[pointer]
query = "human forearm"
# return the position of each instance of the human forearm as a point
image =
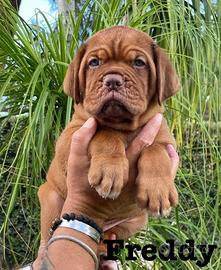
(66, 254)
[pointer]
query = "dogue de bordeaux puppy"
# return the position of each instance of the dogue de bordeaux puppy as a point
(121, 77)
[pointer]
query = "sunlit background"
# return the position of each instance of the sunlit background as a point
(29, 8)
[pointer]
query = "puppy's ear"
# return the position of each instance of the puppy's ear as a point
(71, 81)
(167, 83)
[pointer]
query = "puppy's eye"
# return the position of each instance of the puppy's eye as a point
(139, 63)
(94, 62)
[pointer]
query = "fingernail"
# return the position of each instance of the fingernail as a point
(89, 123)
(170, 150)
(112, 236)
(158, 117)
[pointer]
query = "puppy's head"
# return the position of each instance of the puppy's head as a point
(117, 73)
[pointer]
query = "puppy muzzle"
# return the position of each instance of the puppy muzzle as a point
(114, 106)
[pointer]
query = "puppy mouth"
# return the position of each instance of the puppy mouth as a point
(114, 109)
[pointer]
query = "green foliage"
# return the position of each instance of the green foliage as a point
(33, 62)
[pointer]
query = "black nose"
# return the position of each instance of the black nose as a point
(113, 81)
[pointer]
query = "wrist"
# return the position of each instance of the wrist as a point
(83, 259)
(71, 206)
(87, 239)
(79, 235)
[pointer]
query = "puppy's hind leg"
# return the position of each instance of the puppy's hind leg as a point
(51, 205)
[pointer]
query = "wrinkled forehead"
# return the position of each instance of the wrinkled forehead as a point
(118, 41)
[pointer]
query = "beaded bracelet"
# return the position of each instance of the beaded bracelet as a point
(72, 216)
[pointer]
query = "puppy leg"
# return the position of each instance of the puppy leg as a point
(109, 166)
(155, 184)
(51, 205)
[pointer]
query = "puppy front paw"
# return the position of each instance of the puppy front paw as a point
(158, 195)
(108, 175)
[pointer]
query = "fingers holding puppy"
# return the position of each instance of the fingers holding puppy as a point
(145, 138)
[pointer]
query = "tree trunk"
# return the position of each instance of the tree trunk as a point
(66, 6)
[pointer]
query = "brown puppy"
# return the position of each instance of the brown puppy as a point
(121, 77)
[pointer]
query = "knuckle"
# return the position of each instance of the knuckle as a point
(139, 144)
(77, 138)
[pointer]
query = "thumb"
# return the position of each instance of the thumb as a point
(174, 158)
(145, 138)
(82, 137)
